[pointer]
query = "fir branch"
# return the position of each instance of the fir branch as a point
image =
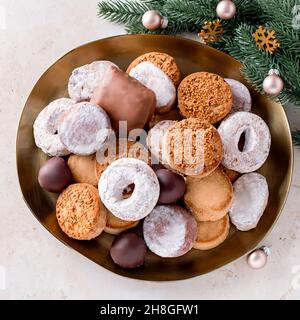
(243, 48)
(278, 10)
(190, 14)
(290, 96)
(289, 68)
(288, 37)
(296, 138)
(249, 12)
(126, 11)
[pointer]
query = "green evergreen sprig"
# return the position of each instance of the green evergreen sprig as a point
(127, 12)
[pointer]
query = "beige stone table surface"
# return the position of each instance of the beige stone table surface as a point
(33, 264)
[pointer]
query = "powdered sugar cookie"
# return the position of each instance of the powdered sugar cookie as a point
(257, 141)
(46, 125)
(169, 231)
(115, 181)
(85, 129)
(155, 139)
(156, 80)
(85, 79)
(250, 199)
(241, 96)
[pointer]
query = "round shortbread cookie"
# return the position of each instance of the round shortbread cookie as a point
(85, 129)
(162, 60)
(83, 169)
(251, 194)
(45, 127)
(205, 96)
(211, 234)
(85, 79)
(80, 213)
(231, 174)
(169, 231)
(115, 225)
(156, 80)
(209, 198)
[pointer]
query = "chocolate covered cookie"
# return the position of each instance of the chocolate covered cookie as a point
(125, 99)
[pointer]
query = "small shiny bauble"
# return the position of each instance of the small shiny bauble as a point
(55, 175)
(153, 20)
(257, 259)
(172, 186)
(226, 9)
(273, 84)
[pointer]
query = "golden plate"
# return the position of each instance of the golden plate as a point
(191, 56)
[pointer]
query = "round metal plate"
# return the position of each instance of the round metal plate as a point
(191, 57)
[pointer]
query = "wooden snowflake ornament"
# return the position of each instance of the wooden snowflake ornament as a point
(266, 40)
(211, 31)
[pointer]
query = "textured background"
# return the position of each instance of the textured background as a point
(36, 265)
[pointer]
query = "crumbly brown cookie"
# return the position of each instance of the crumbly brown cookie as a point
(209, 198)
(193, 147)
(82, 168)
(211, 234)
(80, 212)
(205, 96)
(115, 225)
(164, 61)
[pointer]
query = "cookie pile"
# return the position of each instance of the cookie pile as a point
(145, 146)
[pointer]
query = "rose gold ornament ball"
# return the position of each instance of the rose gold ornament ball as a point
(257, 259)
(273, 84)
(226, 9)
(152, 20)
